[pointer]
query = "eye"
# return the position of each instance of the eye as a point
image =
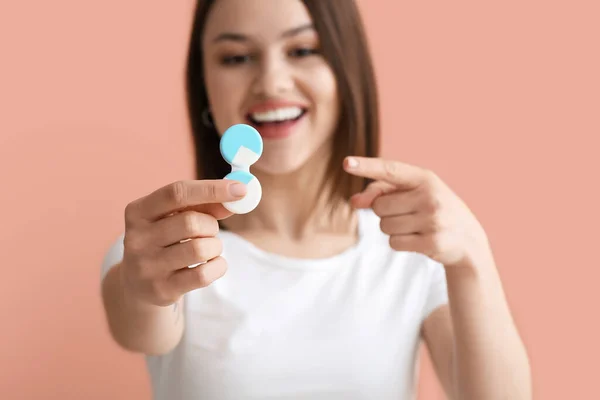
(236, 59)
(303, 52)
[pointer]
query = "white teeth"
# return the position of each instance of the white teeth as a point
(278, 115)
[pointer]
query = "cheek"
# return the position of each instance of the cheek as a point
(323, 87)
(324, 83)
(225, 92)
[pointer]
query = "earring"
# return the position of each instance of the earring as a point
(206, 118)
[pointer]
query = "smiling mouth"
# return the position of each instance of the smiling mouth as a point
(276, 116)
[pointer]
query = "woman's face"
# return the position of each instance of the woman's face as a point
(263, 67)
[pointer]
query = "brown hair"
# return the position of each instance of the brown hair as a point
(344, 46)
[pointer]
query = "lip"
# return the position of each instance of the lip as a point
(275, 104)
(278, 131)
(281, 130)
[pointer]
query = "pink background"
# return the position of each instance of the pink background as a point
(502, 99)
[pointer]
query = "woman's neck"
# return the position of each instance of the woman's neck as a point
(295, 205)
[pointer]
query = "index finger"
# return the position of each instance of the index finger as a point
(397, 173)
(183, 195)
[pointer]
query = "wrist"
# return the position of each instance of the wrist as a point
(132, 297)
(475, 263)
(129, 297)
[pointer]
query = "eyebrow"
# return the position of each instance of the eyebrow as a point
(239, 37)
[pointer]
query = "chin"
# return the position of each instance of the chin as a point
(279, 165)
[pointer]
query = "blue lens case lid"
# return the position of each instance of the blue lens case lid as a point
(241, 145)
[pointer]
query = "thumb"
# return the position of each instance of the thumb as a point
(366, 198)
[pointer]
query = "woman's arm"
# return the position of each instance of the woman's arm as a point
(146, 275)
(137, 326)
(474, 344)
(478, 350)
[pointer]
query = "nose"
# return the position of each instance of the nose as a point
(274, 77)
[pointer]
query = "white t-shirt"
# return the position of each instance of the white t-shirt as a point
(341, 328)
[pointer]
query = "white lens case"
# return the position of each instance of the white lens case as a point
(241, 146)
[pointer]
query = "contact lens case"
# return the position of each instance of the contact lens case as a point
(241, 146)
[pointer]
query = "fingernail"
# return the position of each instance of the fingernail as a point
(351, 162)
(237, 189)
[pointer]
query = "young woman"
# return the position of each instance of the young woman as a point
(325, 290)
